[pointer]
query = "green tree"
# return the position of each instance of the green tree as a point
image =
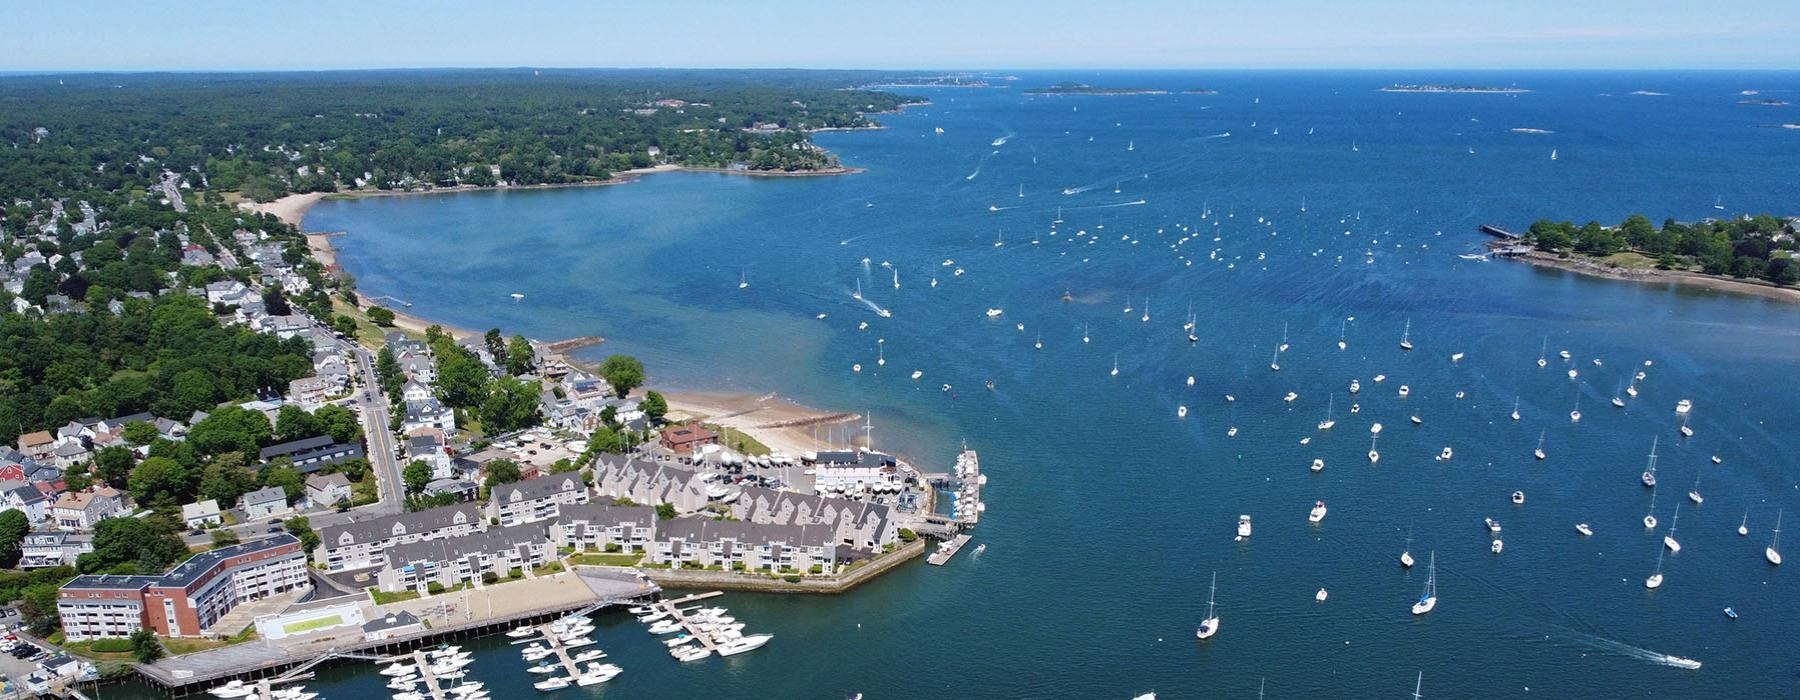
(231, 429)
(511, 404)
(665, 511)
(496, 346)
(225, 479)
(654, 406)
(113, 464)
(519, 357)
(623, 372)
(301, 526)
(294, 423)
(381, 316)
(76, 478)
(145, 647)
(338, 422)
(462, 380)
(502, 471)
(140, 433)
(416, 475)
(13, 528)
(223, 537)
(388, 372)
(37, 609)
(287, 477)
(159, 481)
(145, 544)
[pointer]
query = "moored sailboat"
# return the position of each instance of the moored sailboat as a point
(1210, 625)
(1428, 599)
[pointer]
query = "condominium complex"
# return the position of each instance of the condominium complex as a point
(189, 598)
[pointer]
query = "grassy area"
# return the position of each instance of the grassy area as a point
(381, 598)
(739, 440)
(1630, 260)
(367, 333)
(104, 653)
(312, 624)
(180, 646)
(627, 559)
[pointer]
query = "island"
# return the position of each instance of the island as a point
(1478, 89)
(1070, 88)
(1750, 254)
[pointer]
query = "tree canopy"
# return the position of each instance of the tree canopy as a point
(623, 372)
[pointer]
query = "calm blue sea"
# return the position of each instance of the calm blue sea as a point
(1108, 514)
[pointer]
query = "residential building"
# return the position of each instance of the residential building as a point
(46, 548)
(327, 489)
(29, 500)
(427, 414)
(187, 600)
(81, 510)
(310, 393)
(427, 445)
(314, 453)
(360, 545)
(198, 515)
(731, 544)
(266, 502)
(464, 489)
(532, 500)
(452, 561)
(649, 483)
(683, 439)
(37, 445)
(598, 526)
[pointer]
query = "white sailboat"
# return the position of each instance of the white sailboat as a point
(1428, 599)
(1773, 554)
(1000, 238)
(1542, 353)
(1649, 477)
(1210, 625)
(1515, 412)
(743, 280)
(1115, 369)
(1650, 518)
(1656, 579)
(1406, 336)
(1669, 539)
(896, 278)
(1146, 317)
(1084, 333)
(1341, 326)
(1275, 361)
(1330, 402)
(1284, 343)
(1539, 452)
(1575, 415)
(1694, 495)
(1744, 526)
(1406, 557)
(857, 295)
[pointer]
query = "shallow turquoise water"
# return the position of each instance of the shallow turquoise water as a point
(1107, 513)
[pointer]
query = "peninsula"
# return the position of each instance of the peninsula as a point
(1482, 89)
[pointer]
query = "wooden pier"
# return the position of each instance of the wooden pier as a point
(673, 607)
(948, 549)
(432, 687)
(1498, 232)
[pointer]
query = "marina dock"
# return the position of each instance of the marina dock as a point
(673, 607)
(948, 549)
(1498, 232)
(432, 687)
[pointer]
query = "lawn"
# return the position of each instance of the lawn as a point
(312, 624)
(180, 646)
(381, 598)
(740, 441)
(1630, 260)
(606, 559)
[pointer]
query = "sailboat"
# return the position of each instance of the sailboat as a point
(1406, 336)
(1772, 554)
(1039, 345)
(1329, 421)
(1719, 203)
(1650, 518)
(743, 280)
(1552, 154)
(1542, 354)
(1669, 539)
(1539, 452)
(896, 278)
(1649, 477)
(1744, 526)
(1000, 238)
(881, 355)
(1428, 599)
(1656, 579)
(1284, 344)
(1210, 625)
(1694, 495)
(1374, 434)
(1515, 413)
(1275, 361)
(1406, 557)
(1115, 369)
(1341, 325)
(1417, 684)
(1575, 415)
(857, 295)
(1084, 333)
(1146, 317)
(1058, 218)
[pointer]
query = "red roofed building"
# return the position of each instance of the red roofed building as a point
(684, 439)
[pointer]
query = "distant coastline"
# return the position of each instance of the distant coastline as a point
(1086, 89)
(1695, 280)
(1478, 89)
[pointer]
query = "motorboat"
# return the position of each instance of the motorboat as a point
(1497, 546)
(1318, 512)
(1731, 613)
(1416, 420)
(1456, 357)
(544, 667)
(1493, 525)
(1518, 498)
(557, 683)
(234, 689)
(1405, 391)
(524, 632)
(597, 674)
(743, 644)
(397, 669)
(1291, 396)
(686, 654)
(589, 655)
(994, 313)
(1683, 406)
(1379, 378)
(1446, 454)
(1243, 528)
(679, 640)
(1584, 529)
(1320, 596)
(1318, 465)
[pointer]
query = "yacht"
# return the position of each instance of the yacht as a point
(1210, 625)
(1318, 512)
(236, 689)
(1584, 529)
(1318, 465)
(743, 644)
(1683, 406)
(1243, 530)
(597, 674)
(1649, 477)
(557, 683)
(687, 654)
(1428, 599)
(524, 632)
(1406, 336)
(393, 670)
(917, 374)
(1493, 525)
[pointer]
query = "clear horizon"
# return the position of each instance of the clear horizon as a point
(209, 35)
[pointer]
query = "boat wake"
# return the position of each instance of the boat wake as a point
(1102, 183)
(1629, 651)
(1109, 206)
(1220, 135)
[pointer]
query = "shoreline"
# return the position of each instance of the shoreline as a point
(1682, 278)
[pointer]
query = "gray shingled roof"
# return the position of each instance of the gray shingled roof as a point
(452, 548)
(376, 529)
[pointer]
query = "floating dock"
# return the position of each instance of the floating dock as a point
(1498, 232)
(948, 549)
(673, 607)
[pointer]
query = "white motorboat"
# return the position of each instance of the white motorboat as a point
(1584, 529)
(1318, 465)
(1683, 406)
(545, 667)
(397, 669)
(680, 640)
(1445, 454)
(1355, 386)
(1518, 498)
(1497, 546)
(1180, 411)
(994, 313)
(1379, 378)
(1290, 397)
(1210, 625)
(1493, 525)
(1405, 391)
(1573, 374)
(1428, 599)
(524, 632)
(743, 644)
(1541, 361)
(686, 654)
(1564, 354)
(1320, 596)
(557, 683)
(665, 627)
(1231, 432)
(1456, 357)
(1243, 528)
(404, 683)
(234, 689)
(1318, 512)
(597, 674)
(1416, 420)
(410, 695)
(651, 617)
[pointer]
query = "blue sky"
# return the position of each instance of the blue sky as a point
(207, 34)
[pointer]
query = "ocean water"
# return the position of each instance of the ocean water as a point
(1107, 513)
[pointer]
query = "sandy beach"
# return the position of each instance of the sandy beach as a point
(1671, 277)
(777, 422)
